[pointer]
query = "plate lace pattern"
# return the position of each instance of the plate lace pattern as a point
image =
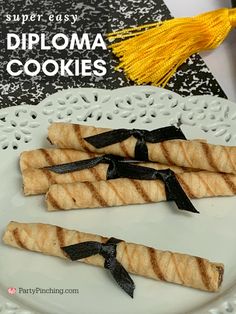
(21, 124)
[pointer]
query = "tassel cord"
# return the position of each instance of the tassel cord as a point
(152, 53)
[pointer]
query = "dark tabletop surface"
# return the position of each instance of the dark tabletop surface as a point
(97, 16)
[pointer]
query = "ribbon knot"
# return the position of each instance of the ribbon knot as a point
(141, 150)
(108, 252)
(138, 134)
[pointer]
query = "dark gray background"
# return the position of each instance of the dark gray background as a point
(193, 78)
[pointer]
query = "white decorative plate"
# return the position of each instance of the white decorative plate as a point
(212, 234)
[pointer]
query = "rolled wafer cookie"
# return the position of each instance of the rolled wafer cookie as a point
(38, 181)
(183, 269)
(44, 157)
(126, 191)
(183, 153)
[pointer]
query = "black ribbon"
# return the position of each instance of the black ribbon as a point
(174, 191)
(108, 251)
(142, 136)
(112, 160)
(119, 168)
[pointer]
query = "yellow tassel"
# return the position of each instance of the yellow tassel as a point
(152, 53)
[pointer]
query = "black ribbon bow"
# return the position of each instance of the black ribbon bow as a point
(174, 191)
(108, 251)
(142, 136)
(120, 168)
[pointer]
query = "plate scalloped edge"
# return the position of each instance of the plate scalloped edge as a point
(216, 116)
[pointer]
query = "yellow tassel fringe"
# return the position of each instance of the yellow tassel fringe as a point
(152, 53)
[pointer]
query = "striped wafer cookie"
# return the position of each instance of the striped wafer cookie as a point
(126, 191)
(183, 269)
(192, 154)
(38, 181)
(44, 157)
